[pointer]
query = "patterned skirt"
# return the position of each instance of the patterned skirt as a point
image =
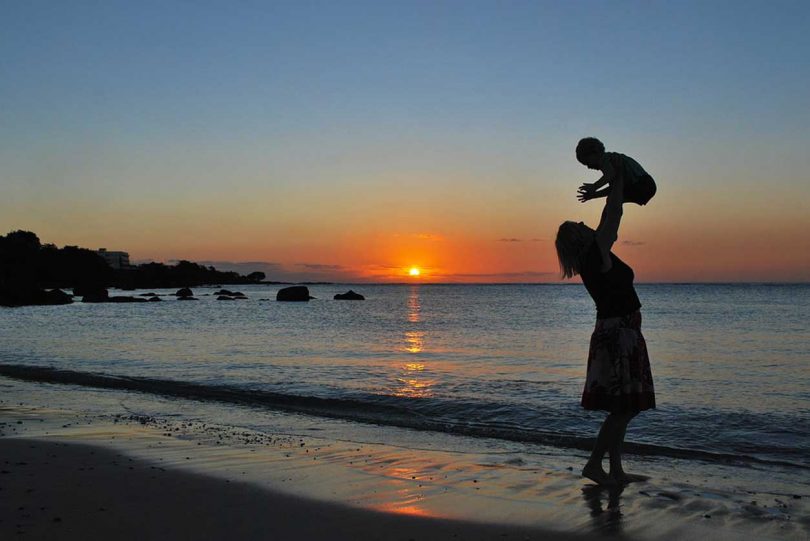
(619, 378)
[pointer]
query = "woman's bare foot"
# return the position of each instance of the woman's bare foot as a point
(623, 477)
(597, 474)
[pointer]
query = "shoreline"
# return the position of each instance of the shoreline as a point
(368, 489)
(77, 491)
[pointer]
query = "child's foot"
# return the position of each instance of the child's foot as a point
(598, 475)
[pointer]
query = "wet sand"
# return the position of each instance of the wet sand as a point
(71, 475)
(52, 490)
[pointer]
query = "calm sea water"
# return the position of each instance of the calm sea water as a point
(730, 362)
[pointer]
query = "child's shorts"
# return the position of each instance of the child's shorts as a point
(640, 191)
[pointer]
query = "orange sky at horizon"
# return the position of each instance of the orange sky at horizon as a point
(480, 237)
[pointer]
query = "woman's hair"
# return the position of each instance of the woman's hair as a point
(589, 145)
(570, 244)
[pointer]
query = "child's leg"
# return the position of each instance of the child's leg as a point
(640, 191)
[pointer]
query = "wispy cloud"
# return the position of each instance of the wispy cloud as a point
(433, 237)
(501, 275)
(632, 242)
(297, 272)
(515, 239)
(321, 266)
(429, 236)
(241, 267)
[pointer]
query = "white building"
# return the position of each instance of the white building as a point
(117, 260)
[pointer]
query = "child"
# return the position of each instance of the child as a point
(639, 187)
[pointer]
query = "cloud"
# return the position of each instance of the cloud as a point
(321, 266)
(434, 237)
(524, 274)
(279, 272)
(513, 239)
(632, 243)
(429, 236)
(243, 267)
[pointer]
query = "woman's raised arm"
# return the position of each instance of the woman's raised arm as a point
(608, 231)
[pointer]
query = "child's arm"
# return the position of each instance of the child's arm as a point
(591, 190)
(608, 174)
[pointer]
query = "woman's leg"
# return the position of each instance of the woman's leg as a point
(593, 470)
(615, 446)
(615, 449)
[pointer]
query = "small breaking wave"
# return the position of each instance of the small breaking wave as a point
(375, 409)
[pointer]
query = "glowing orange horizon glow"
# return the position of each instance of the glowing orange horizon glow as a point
(680, 240)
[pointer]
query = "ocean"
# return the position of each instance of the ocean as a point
(500, 364)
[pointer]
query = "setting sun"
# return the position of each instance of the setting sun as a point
(414, 271)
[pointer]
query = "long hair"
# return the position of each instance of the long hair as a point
(570, 244)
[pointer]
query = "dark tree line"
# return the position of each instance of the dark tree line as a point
(183, 274)
(28, 268)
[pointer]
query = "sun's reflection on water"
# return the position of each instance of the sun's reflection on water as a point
(414, 305)
(413, 383)
(414, 341)
(412, 380)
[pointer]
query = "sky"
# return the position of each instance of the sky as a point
(354, 140)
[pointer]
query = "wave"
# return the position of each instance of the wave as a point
(379, 409)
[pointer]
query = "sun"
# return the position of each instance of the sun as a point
(414, 271)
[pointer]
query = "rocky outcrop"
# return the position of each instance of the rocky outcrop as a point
(228, 293)
(349, 296)
(184, 292)
(293, 294)
(93, 295)
(33, 296)
(103, 296)
(155, 299)
(57, 296)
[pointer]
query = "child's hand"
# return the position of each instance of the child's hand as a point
(585, 192)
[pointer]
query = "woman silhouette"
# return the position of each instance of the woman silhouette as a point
(618, 379)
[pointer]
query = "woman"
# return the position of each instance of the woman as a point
(619, 379)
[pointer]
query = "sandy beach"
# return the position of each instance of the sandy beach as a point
(54, 490)
(68, 476)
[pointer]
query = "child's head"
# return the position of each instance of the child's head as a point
(590, 151)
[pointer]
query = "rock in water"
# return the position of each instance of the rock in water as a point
(184, 292)
(95, 295)
(224, 298)
(349, 296)
(293, 294)
(57, 296)
(32, 296)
